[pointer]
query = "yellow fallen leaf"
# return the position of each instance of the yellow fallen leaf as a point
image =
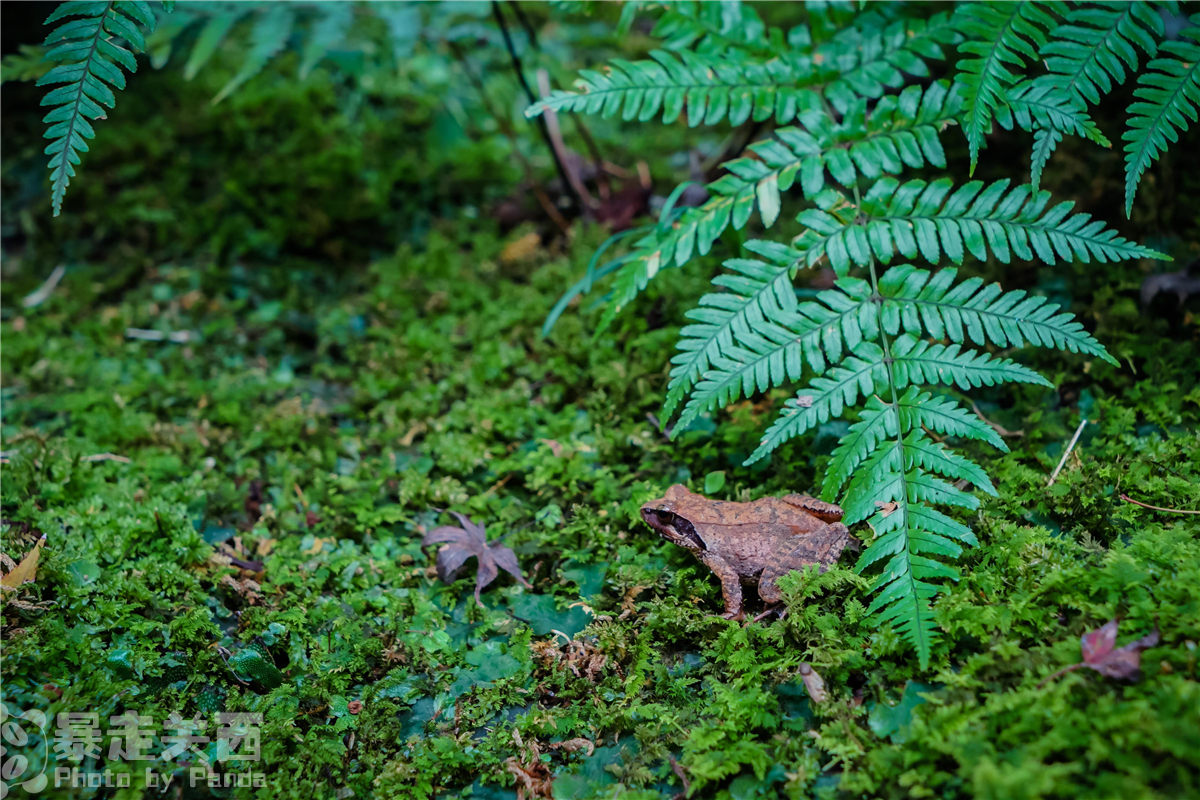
(319, 544)
(814, 683)
(523, 249)
(26, 571)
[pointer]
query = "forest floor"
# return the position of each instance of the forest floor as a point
(234, 521)
(234, 507)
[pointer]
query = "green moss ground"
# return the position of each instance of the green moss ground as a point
(323, 416)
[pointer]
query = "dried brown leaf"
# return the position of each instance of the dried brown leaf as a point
(1122, 663)
(814, 683)
(470, 541)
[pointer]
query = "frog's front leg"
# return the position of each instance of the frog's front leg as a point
(731, 584)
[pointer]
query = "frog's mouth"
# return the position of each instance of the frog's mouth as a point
(683, 530)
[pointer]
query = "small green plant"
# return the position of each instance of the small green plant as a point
(883, 334)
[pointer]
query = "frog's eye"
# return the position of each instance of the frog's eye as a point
(663, 516)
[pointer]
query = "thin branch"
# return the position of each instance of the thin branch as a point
(44, 291)
(1062, 462)
(510, 134)
(107, 457)
(526, 24)
(997, 428)
(601, 178)
(520, 70)
(556, 142)
(1129, 499)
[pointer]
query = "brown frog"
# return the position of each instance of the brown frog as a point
(750, 543)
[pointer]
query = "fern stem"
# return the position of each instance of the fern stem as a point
(918, 628)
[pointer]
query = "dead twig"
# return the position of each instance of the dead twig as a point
(519, 69)
(560, 149)
(43, 292)
(505, 128)
(149, 335)
(679, 773)
(107, 457)
(997, 428)
(1129, 499)
(1062, 462)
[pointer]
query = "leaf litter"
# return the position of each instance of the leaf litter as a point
(470, 541)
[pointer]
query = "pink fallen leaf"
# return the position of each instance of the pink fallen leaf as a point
(461, 544)
(1099, 654)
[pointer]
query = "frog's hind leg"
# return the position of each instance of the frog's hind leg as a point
(827, 512)
(731, 584)
(821, 550)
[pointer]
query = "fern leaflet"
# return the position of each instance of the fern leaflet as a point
(1087, 54)
(713, 28)
(1050, 112)
(268, 36)
(1169, 92)
(926, 219)
(214, 31)
(327, 32)
(90, 64)
(1001, 36)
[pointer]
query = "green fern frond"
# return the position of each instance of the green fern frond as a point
(893, 473)
(876, 423)
(1169, 92)
(871, 59)
(1049, 111)
(920, 302)
(942, 415)
(826, 397)
(268, 36)
(916, 218)
(893, 494)
(90, 62)
(901, 131)
(713, 28)
(211, 35)
(758, 293)
(859, 451)
(710, 88)
(1001, 35)
(762, 338)
(911, 362)
(327, 32)
(739, 85)
(918, 362)
(1088, 53)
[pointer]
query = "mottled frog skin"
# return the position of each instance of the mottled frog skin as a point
(752, 544)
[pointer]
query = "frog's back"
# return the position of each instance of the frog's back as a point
(748, 548)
